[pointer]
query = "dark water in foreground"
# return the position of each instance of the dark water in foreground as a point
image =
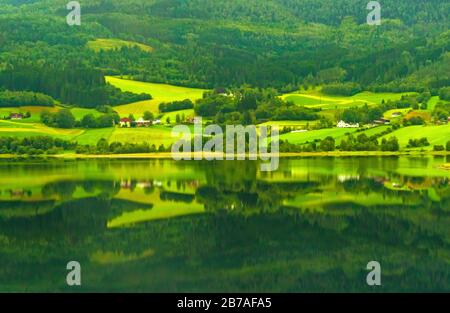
(165, 226)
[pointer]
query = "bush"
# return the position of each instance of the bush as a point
(390, 145)
(447, 146)
(438, 148)
(327, 144)
(416, 143)
(176, 106)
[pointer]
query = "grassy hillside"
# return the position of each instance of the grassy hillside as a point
(159, 92)
(310, 136)
(437, 135)
(99, 44)
(316, 99)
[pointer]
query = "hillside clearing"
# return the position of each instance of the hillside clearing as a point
(104, 44)
(160, 93)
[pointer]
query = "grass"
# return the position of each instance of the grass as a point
(98, 45)
(34, 110)
(80, 112)
(294, 124)
(310, 136)
(173, 115)
(316, 99)
(159, 92)
(388, 114)
(156, 135)
(92, 136)
(13, 127)
(432, 103)
(373, 131)
(437, 135)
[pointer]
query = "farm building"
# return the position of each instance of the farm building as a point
(343, 124)
(143, 123)
(16, 116)
(125, 122)
(382, 121)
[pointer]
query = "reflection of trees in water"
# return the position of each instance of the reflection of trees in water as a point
(178, 197)
(66, 189)
(282, 251)
(235, 186)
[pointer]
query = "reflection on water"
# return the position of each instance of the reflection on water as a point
(161, 225)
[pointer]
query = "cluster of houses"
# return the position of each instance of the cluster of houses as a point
(127, 122)
(343, 124)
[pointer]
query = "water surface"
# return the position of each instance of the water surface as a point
(166, 226)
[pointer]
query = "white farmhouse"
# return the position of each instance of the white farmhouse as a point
(342, 124)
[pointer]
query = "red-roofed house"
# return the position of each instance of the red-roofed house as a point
(125, 122)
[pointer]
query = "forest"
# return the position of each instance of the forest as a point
(284, 44)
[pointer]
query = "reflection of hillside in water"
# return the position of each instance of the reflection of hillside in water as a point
(227, 226)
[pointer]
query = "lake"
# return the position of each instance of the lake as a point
(189, 226)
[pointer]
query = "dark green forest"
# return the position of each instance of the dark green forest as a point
(284, 44)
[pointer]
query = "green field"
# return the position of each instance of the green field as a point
(37, 110)
(310, 136)
(156, 135)
(98, 45)
(432, 103)
(80, 112)
(92, 136)
(374, 131)
(437, 135)
(294, 124)
(189, 113)
(22, 130)
(159, 92)
(34, 110)
(316, 99)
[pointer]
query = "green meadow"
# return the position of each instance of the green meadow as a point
(104, 44)
(312, 135)
(436, 135)
(316, 99)
(160, 93)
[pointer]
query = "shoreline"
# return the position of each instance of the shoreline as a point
(168, 155)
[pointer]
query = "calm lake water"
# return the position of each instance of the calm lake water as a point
(166, 226)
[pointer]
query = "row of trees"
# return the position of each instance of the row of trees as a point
(176, 106)
(22, 98)
(103, 147)
(49, 145)
(360, 143)
(65, 119)
(34, 145)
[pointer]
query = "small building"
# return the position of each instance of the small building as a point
(156, 122)
(125, 122)
(143, 123)
(299, 131)
(16, 116)
(193, 120)
(382, 121)
(343, 124)
(396, 114)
